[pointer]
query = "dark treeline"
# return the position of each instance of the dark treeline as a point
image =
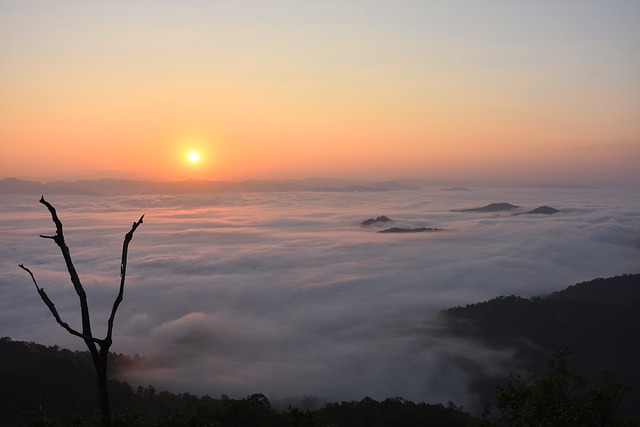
(56, 393)
(47, 386)
(598, 320)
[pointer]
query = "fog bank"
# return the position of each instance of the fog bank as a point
(287, 294)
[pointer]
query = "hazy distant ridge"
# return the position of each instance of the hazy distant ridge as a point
(127, 187)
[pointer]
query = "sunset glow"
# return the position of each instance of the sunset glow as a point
(341, 89)
(334, 193)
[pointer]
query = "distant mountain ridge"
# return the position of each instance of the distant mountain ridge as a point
(106, 187)
(20, 186)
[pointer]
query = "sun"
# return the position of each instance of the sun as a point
(193, 156)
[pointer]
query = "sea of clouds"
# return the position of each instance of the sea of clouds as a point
(287, 294)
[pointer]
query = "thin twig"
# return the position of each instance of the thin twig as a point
(30, 274)
(53, 310)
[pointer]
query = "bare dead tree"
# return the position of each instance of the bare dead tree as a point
(99, 348)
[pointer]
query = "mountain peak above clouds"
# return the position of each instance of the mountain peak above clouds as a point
(491, 207)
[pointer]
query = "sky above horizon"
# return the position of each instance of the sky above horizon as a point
(530, 90)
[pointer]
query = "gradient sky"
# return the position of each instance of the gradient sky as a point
(529, 90)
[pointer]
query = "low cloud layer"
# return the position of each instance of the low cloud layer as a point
(288, 295)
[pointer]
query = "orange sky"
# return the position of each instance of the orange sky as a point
(289, 89)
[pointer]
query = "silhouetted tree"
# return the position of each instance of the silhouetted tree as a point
(560, 397)
(98, 348)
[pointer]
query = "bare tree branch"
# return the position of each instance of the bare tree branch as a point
(31, 274)
(123, 273)
(53, 310)
(75, 280)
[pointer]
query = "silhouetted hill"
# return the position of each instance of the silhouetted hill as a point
(598, 320)
(381, 218)
(542, 210)
(492, 207)
(409, 230)
(622, 290)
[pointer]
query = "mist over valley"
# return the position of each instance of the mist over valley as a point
(288, 294)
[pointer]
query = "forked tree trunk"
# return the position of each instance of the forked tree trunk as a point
(98, 348)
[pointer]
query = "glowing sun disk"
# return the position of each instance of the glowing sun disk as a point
(193, 156)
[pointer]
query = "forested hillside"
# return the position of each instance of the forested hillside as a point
(48, 386)
(598, 320)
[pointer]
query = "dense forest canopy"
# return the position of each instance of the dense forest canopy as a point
(55, 386)
(598, 320)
